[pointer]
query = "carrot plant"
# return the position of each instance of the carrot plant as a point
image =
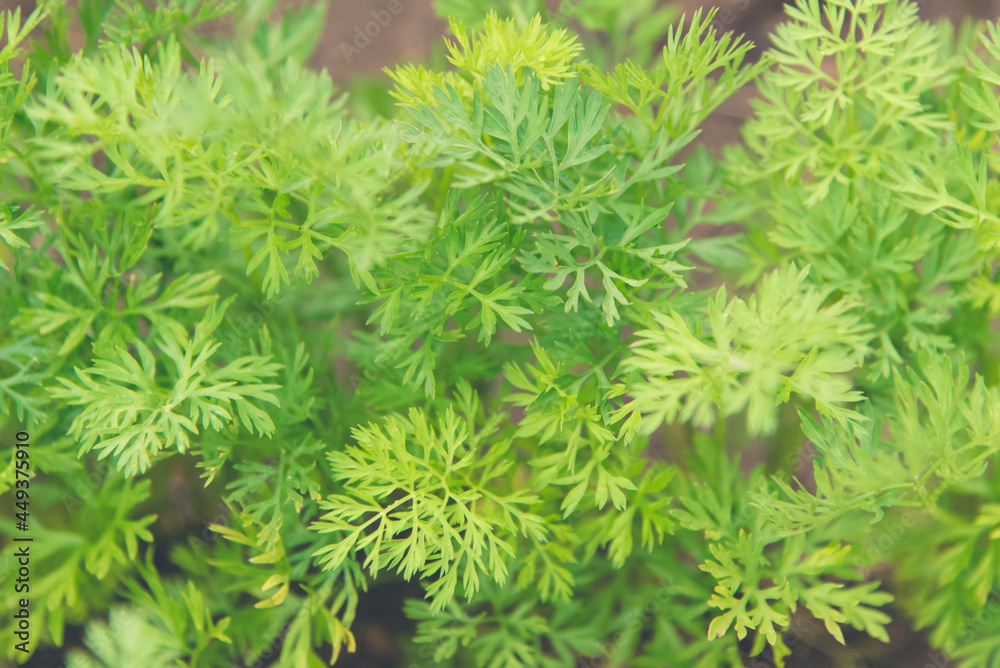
(507, 332)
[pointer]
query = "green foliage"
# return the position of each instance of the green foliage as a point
(276, 352)
(753, 361)
(128, 415)
(440, 524)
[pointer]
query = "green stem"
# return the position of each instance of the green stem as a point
(783, 455)
(720, 432)
(443, 190)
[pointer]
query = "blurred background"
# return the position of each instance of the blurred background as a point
(419, 28)
(416, 29)
(415, 34)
